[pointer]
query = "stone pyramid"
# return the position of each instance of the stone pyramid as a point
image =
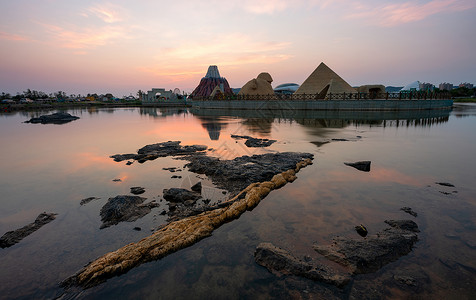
(323, 77)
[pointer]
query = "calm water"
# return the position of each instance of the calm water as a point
(52, 167)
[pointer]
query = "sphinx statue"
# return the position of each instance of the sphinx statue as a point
(260, 85)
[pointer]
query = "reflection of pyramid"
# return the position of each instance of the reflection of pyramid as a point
(213, 130)
(323, 81)
(210, 82)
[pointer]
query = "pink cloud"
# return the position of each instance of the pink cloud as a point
(401, 13)
(11, 37)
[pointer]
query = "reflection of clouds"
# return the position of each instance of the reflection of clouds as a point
(87, 159)
(379, 175)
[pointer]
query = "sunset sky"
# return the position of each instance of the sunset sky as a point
(83, 46)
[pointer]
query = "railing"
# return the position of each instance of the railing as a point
(410, 95)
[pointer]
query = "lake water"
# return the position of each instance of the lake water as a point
(53, 167)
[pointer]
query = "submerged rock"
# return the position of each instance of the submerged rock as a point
(370, 254)
(154, 151)
(12, 237)
(360, 165)
(254, 142)
(445, 184)
(87, 200)
(56, 118)
(361, 230)
(279, 261)
(180, 195)
(408, 210)
(124, 208)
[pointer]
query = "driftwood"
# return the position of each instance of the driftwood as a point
(179, 234)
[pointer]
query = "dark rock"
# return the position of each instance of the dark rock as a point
(361, 230)
(176, 176)
(129, 163)
(117, 180)
(163, 212)
(280, 262)
(254, 142)
(445, 184)
(87, 200)
(124, 208)
(137, 228)
(136, 190)
(56, 118)
(179, 195)
(154, 151)
(236, 174)
(408, 210)
(197, 187)
(340, 140)
(370, 254)
(12, 237)
(360, 165)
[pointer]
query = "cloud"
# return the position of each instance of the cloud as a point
(85, 38)
(107, 12)
(400, 13)
(11, 37)
(265, 6)
(188, 59)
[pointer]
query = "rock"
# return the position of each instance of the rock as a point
(280, 262)
(176, 176)
(197, 187)
(154, 151)
(136, 190)
(87, 200)
(360, 165)
(124, 208)
(137, 228)
(12, 237)
(180, 195)
(361, 230)
(117, 180)
(129, 163)
(56, 118)
(177, 235)
(370, 254)
(254, 142)
(408, 210)
(445, 184)
(236, 174)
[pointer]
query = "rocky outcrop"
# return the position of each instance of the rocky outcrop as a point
(281, 262)
(87, 200)
(56, 118)
(254, 142)
(409, 210)
(179, 234)
(357, 255)
(370, 254)
(124, 208)
(236, 174)
(137, 190)
(154, 151)
(12, 237)
(360, 165)
(260, 85)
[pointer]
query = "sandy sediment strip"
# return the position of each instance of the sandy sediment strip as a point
(179, 234)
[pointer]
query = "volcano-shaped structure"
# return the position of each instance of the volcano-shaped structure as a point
(209, 82)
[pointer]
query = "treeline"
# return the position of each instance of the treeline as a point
(34, 95)
(463, 92)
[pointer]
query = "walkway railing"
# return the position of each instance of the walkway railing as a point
(410, 95)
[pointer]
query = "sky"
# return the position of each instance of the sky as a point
(84, 46)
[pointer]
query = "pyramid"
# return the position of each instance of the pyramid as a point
(323, 77)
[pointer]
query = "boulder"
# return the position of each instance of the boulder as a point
(180, 195)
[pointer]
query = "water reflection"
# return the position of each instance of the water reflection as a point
(213, 126)
(161, 112)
